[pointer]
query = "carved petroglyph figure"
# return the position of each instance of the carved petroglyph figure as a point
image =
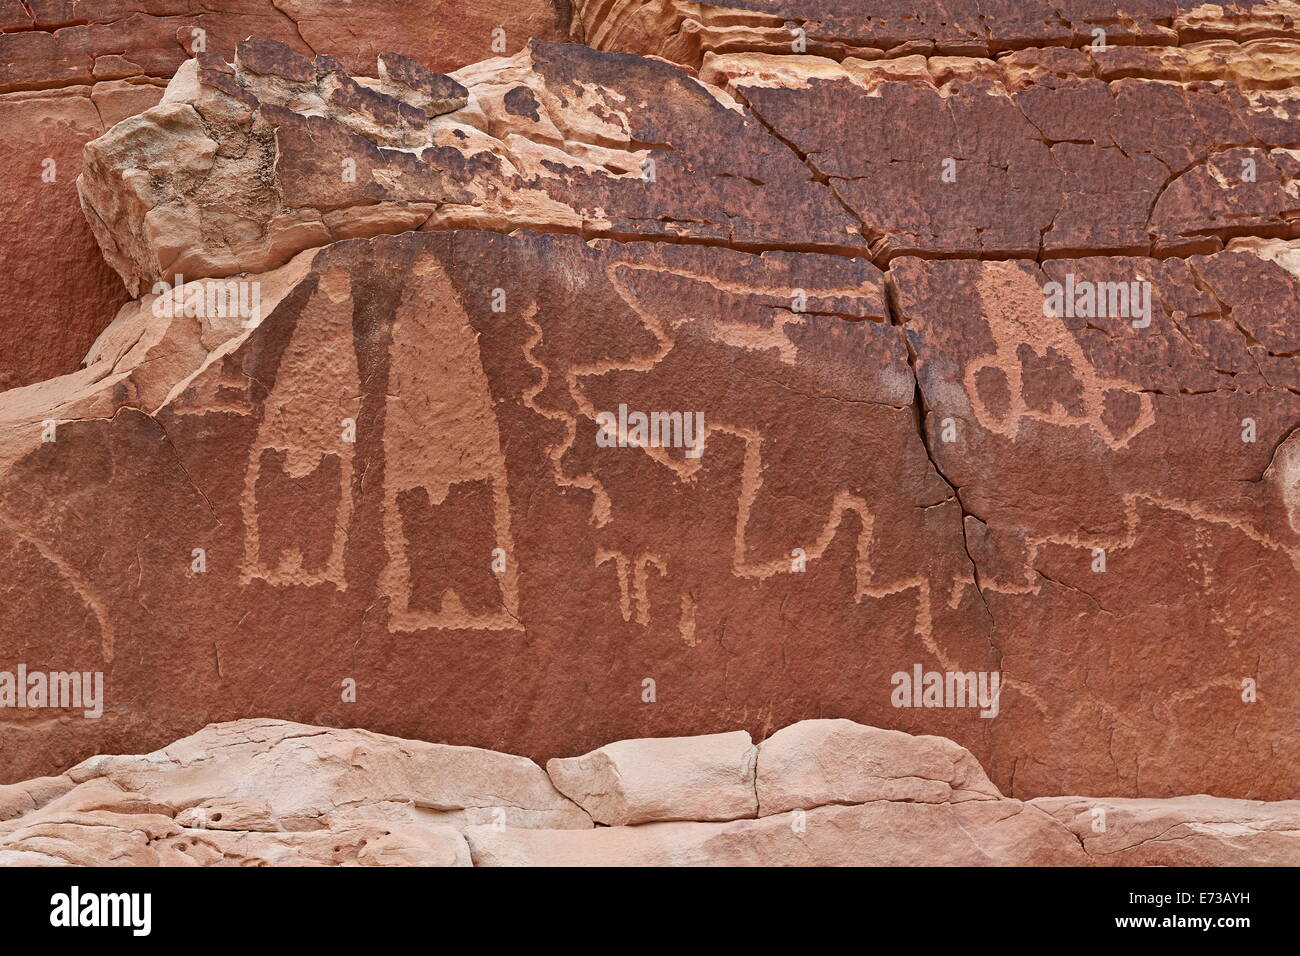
(1014, 305)
(446, 504)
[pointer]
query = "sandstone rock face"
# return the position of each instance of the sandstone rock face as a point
(271, 793)
(668, 778)
(1044, 153)
(1009, 833)
(293, 509)
(287, 776)
(53, 43)
(685, 32)
(1181, 831)
(338, 159)
(55, 290)
(1123, 488)
(939, 377)
(71, 70)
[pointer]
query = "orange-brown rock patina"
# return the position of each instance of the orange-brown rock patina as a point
(407, 491)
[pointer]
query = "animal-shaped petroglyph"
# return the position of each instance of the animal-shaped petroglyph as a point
(1013, 305)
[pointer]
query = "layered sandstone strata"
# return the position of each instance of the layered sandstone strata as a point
(243, 165)
(1044, 154)
(820, 793)
(685, 31)
(54, 43)
(71, 69)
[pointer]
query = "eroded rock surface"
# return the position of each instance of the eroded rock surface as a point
(1181, 831)
(710, 777)
(476, 430)
(1045, 153)
(52, 43)
(56, 290)
(272, 793)
(685, 32)
(1130, 502)
(558, 138)
(268, 792)
(817, 762)
(903, 488)
(71, 69)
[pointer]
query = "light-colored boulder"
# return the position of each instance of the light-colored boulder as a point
(305, 773)
(709, 777)
(818, 762)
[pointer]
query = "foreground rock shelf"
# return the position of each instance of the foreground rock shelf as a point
(817, 793)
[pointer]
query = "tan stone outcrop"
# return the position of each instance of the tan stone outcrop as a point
(710, 777)
(545, 139)
(816, 762)
(272, 793)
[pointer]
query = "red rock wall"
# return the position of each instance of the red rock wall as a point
(908, 460)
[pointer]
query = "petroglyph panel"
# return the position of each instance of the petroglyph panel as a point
(1128, 496)
(475, 525)
(687, 459)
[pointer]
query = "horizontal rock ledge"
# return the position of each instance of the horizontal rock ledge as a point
(265, 792)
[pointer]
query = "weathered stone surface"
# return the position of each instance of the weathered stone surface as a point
(1130, 496)
(547, 141)
(267, 792)
(147, 811)
(816, 762)
(344, 845)
(56, 291)
(1046, 154)
(222, 813)
(76, 42)
(686, 32)
(390, 483)
(709, 777)
(1181, 831)
(71, 70)
(202, 434)
(304, 774)
(979, 833)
